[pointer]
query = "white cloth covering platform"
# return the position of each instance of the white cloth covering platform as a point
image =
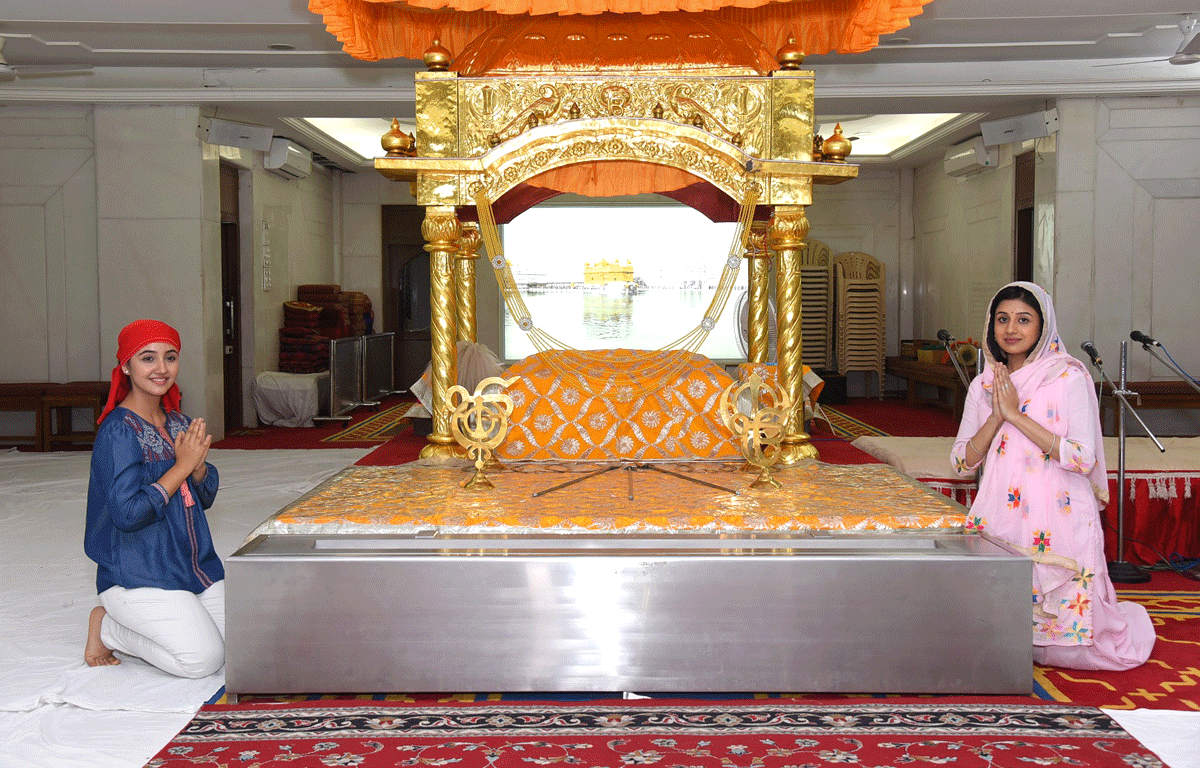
(290, 399)
(55, 710)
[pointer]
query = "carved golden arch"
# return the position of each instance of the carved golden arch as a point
(659, 142)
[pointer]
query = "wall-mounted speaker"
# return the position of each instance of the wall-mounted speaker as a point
(230, 134)
(1020, 128)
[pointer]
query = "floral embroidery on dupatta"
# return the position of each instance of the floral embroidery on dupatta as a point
(1041, 541)
(1014, 498)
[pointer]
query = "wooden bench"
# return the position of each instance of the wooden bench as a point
(1153, 395)
(24, 397)
(57, 403)
(951, 394)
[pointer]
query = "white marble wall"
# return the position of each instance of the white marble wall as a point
(158, 240)
(963, 246)
(1127, 225)
(48, 244)
(1128, 221)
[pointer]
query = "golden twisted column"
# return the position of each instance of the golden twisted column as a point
(441, 231)
(787, 230)
(758, 332)
(464, 280)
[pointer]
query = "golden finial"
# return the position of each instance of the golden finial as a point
(437, 58)
(836, 147)
(790, 55)
(658, 111)
(397, 143)
(573, 113)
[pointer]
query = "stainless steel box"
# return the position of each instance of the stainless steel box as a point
(886, 613)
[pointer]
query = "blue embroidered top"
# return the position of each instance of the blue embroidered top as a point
(139, 536)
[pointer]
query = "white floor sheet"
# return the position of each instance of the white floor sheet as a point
(55, 710)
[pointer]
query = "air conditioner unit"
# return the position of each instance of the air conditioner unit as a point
(1020, 128)
(970, 157)
(288, 159)
(227, 133)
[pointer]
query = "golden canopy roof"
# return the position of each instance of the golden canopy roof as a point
(385, 29)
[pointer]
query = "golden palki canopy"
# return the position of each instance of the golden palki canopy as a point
(616, 98)
(386, 29)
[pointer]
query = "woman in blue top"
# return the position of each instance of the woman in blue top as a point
(161, 584)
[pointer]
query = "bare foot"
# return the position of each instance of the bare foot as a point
(95, 653)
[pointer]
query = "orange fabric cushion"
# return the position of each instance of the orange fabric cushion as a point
(627, 406)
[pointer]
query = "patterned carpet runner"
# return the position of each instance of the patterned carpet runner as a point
(378, 427)
(724, 734)
(847, 426)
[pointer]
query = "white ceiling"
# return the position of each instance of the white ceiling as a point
(982, 59)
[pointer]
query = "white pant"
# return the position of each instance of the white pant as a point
(174, 630)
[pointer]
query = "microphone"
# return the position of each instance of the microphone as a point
(1090, 348)
(1143, 339)
(944, 336)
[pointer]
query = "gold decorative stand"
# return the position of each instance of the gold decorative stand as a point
(759, 421)
(479, 422)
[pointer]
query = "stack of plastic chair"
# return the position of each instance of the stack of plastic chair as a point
(816, 295)
(859, 304)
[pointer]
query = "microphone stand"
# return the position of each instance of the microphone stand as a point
(1194, 571)
(1171, 364)
(962, 375)
(1120, 570)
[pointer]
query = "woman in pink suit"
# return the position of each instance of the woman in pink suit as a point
(1031, 419)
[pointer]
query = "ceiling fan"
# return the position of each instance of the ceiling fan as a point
(9, 72)
(1188, 51)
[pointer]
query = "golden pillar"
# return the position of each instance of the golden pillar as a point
(787, 230)
(758, 289)
(464, 280)
(441, 232)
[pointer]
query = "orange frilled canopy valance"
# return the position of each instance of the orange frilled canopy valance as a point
(388, 29)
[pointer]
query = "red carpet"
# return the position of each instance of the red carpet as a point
(1169, 680)
(893, 416)
(774, 733)
(366, 428)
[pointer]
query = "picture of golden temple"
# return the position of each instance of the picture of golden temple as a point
(604, 271)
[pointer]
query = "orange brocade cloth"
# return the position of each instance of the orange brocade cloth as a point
(388, 29)
(412, 498)
(617, 405)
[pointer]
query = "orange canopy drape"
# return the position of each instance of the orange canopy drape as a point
(387, 29)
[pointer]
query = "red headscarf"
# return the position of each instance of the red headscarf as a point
(133, 338)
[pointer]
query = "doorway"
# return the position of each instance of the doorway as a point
(406, 309)
(1023, 191)
(231, 299)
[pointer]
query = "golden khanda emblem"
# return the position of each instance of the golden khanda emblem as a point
(757, 414)
(479, 422)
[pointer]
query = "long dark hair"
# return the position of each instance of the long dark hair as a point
(1006, 293)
